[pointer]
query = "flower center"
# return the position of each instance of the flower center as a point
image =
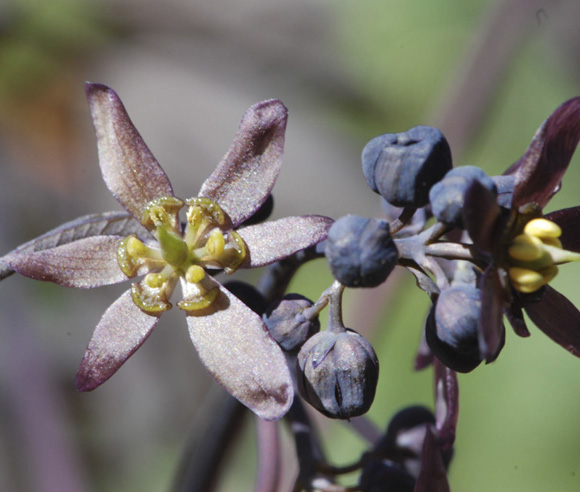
(533, 256)
(206, 244)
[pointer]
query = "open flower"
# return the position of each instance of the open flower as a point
(525, 247)
(231, 340)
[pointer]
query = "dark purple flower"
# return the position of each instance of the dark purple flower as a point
(524, 247)
(231, 340)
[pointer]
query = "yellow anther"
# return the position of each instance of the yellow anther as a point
(200, 301)
(524, 280)
(216, 243)
(549, 273)
(194, 274)
(149, 300)
(542, 228)
(154, 280)
(238, 252)
(526, 248)
(552, 241)
(208, 209)
(162, 212)
(136, 248)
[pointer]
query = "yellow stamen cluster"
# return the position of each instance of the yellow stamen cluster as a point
(533, 256)
(204, 245)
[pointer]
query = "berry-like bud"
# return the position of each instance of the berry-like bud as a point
(451, 329)
(360, 251)
(383, 476)
(448, 196)
(338, 373)
(287, 324)
(403, 167)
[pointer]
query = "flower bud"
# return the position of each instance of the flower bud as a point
(448, 196)
(384, 476)
(286, 323)
(338, 373)
(360, 251)
(402, 167)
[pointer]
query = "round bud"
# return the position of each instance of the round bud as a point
(338, 373)
(286, 323)
(248, 294)
(402, 167)
(448, 196)
(383, 476)
(452, 327)
(360, 251)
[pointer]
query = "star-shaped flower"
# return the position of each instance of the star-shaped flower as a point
(231, 340)
(524, 246)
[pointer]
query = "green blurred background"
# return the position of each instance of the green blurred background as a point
(488, 73)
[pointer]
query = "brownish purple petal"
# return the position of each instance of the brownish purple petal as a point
(491, 329)
(86, 263)
(120, 332)
(433, 476)
(481, 216)
(246, 175)
(129, 169)
(236, 348)
(271, 241)
(446, 404)
(515, 316)
(569, 221)
(539, 171)
(558, 318)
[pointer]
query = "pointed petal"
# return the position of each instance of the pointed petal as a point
(569, 221)
(236, 348)
(446, 404)
(491, 329)
(108, 223)
(272, 241)
(558, 318)
(120, 332)
(539, 172)
(129, 169)
(515, 316)
(433, 476)
(246, 175)
(481, 215)
(84, 264)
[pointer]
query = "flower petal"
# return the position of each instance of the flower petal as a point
(558, 318)
(446, 403)
(84, 264)
(236, 348)
(433, 476)
(569, 221)
(491, 329)
(120, 332)
(272, 241)
(539, 171)
(129, 169)
(515, 316)
(481, 215)
(246, 175)
(107, 223)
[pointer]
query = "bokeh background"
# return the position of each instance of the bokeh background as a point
(486, 72)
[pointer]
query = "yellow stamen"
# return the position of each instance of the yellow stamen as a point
(542, 228)
(524, 280)
(194, 274)
(526, 248)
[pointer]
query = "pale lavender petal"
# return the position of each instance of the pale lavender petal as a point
(121, 331)
(271, 241)
(236, 348)
(84, 264)
(107, 223)
(129, 169)
(246, 175)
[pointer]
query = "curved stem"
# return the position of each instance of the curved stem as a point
(269, 456)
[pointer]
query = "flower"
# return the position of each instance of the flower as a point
(231, 340)
(523, 246)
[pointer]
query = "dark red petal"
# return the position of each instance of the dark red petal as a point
(558, 318)
(432, 477)
(446, 404)
(569, 220)
(539, 172)
(491, 329)
(481, 216)
(515, 316)
(130, 170)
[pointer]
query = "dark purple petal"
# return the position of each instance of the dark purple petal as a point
(569, 220)
(446, 404)
(84, 264)
(272, 241)
(424, 357)
(491, 329)
(558, 318)
(515, 316)
(236, 348)
(539, 171)
(433, 476)
(120, 332)
(481, 215)
(246, 175)
(129, 169)
(107, 223)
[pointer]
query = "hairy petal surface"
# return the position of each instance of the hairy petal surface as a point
(107, 223)
(569, 221)
(120, 332)
(129, 169)
(236, 348)
(539, 171)
(271, 241)
(481, 215)
(558, 318)
(246, 175)
(86, 263)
